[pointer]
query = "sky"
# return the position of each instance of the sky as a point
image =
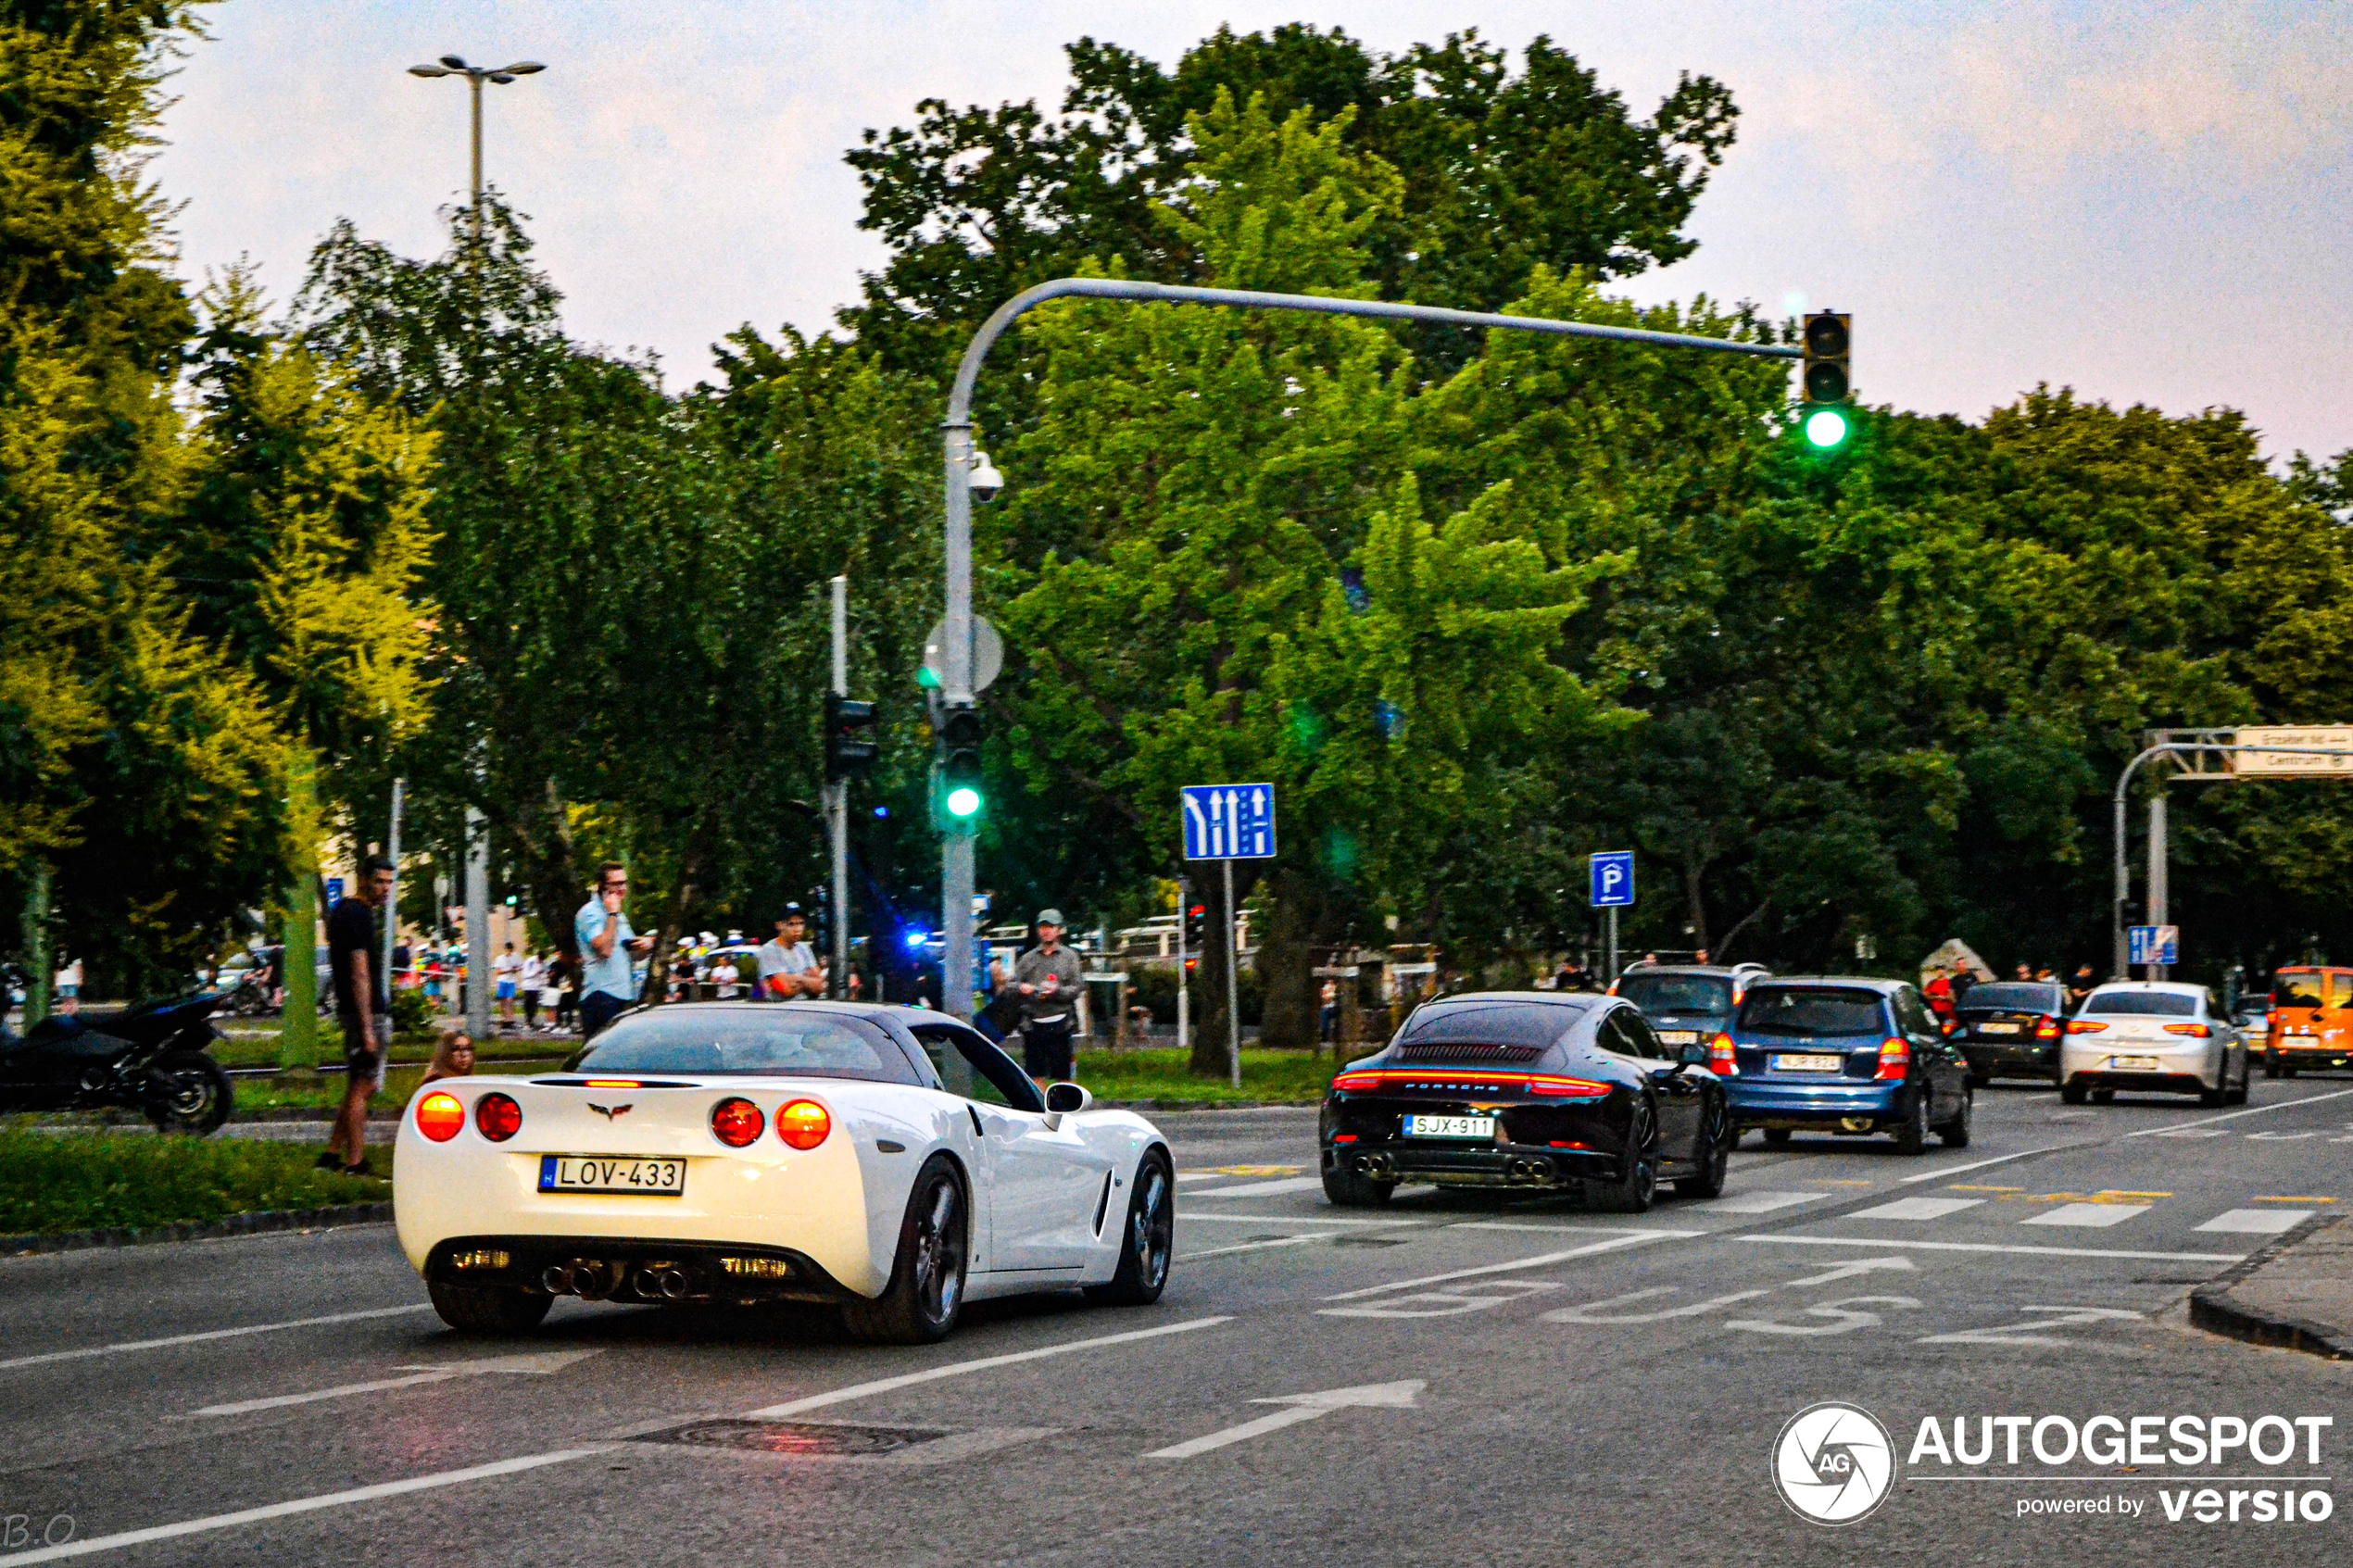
(2145, 201)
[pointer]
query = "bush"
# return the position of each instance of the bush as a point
(412, 1014)
(1156, 988)
(53, 1182)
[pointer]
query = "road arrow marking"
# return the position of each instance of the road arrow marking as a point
(1300, 1406)
(539, 1365)
(1848, 1270)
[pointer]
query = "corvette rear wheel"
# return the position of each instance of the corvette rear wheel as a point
(1637, 1180)
(494, 1312)
(927, 1289)
(1149, 1240)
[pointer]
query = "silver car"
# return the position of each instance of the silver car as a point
(2160, 1036)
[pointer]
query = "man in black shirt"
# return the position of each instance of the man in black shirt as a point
(364, 1005)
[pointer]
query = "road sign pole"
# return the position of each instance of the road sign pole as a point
(1184, 982)
(1233, 976)
(1609, 970)
(2157, 877)
(837, 807)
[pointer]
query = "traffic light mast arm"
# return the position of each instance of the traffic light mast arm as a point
(956, 674)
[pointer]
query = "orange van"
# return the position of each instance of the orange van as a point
(2311, 1021)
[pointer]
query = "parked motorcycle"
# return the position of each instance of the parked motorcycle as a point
(151, 1057)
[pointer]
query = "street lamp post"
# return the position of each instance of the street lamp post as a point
(956, 676)
(454, 65)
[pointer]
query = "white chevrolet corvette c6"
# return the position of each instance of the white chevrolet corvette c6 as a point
(804, 1151)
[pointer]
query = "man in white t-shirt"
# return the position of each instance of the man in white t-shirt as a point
(503, 970)
(789, 965)
(534, 975)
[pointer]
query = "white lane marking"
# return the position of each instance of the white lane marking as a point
(1590, 1311)
(2233, 1115)
(170, 1340)
(539, 1365)
(1761, 1202)
(1266, 1189)
(1843, 1319)
(1995, 1247)
(1448, 1303)
(2189, 1132)
(1539, 1226)
(2257, 1221)
(958, 1369)
(2092, 1216)
(1918, 1209)
(303, 1505)
(1190, 1218)
(1304, 1407)
(2278, 1137)
(1850, 1270)
(2020, 1333)
(1252, 1245)
(1624, 1238)
(1981, 1165)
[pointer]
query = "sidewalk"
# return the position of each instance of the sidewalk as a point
(2296, 1293)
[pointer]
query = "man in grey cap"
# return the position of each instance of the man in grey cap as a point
(1048, 980)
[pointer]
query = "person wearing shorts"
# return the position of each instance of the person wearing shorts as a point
(502, 969)
(364, 1005)
(1048, 980)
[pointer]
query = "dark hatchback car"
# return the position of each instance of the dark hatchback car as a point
(1530, 1090)
(2010, 1029)
(1844, 1055)
(1687, 1004)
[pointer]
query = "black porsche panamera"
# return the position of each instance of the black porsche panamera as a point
(1528, 1090)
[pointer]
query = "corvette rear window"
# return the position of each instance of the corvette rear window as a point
(2142, 1004)
(1811, 1012)
(1490, 1023)
(776, 1041)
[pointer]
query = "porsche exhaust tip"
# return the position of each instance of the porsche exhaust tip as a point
(1529, 1168)
(1380, 1167)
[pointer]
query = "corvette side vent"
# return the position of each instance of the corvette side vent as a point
(1467, 1055)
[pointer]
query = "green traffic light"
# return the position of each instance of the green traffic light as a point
(1826, 428)
(963, 801)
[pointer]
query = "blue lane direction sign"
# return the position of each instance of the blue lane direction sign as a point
(2154, 943)
(1613, 874)
(1229, 821)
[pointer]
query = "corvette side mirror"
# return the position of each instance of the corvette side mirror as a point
(1064, 1099)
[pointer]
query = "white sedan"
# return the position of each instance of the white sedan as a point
(806, 1151)
(2159, 1034)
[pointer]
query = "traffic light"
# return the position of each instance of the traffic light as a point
(1829, 381)
(960, 733)
(850, 750)
(1196, 927)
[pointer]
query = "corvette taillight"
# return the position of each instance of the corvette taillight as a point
(1894, 1058)
(736, 1122)
(803, 1123)
(497, 1118)
(1721, 1059)
(439, 1115)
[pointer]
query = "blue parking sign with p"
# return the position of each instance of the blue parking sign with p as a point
(1612, 873)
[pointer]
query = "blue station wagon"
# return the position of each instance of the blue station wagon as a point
(1843, 1054)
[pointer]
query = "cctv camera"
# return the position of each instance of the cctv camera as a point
(986, 480)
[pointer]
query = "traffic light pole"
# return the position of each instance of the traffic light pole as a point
(956, 676)
(838, 807)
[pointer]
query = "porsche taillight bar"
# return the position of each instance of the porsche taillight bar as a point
(1392, 1079)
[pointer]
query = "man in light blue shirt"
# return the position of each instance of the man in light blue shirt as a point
(604, 941)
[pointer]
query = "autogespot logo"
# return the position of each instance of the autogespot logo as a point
(1834, 1463)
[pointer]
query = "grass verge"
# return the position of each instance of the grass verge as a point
(1269, 1077)
(53, 1182)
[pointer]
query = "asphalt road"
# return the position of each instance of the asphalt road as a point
(1537, 1385)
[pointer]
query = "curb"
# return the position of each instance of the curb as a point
(2215, 1310)
(255, 1224)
